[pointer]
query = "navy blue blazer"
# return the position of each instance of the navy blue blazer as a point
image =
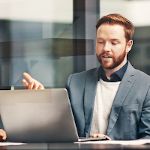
(130, 113)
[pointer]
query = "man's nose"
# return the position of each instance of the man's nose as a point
(107, 46)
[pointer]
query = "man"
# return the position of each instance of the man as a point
(113, 99)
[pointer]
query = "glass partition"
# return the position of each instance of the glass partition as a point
(50, 39)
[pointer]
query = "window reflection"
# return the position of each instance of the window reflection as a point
(49, 39)
(29, 30)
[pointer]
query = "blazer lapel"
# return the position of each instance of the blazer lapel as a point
(124, 88)
(89, 97)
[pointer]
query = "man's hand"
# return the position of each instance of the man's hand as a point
(3, 135)
(98, 135)
(31, 83)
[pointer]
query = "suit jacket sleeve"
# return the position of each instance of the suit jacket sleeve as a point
(144, 125)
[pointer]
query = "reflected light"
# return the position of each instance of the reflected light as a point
(136, 10)
(37, 10)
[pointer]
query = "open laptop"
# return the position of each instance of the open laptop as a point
(37, 116)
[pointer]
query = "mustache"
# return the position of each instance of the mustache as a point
(106, 54)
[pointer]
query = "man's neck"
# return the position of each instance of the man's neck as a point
(109, 72)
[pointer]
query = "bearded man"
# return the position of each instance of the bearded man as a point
(114, 99)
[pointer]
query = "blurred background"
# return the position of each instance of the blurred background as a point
(51, 39)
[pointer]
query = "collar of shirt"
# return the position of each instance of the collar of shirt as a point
(115, 77)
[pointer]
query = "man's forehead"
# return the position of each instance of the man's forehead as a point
(113, 31)
(109, 27)
(112, 39)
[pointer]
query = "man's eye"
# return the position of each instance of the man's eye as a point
(101, 42)
(114, 43)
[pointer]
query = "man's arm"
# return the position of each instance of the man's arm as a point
(144, 126)
(31, 83)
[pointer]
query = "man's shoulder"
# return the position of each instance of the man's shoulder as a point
(78, 79)
(139, 74)
(142, 76)
(82, 76)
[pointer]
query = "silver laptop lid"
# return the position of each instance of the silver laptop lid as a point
(37, 115)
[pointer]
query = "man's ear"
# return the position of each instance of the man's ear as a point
(129, 45)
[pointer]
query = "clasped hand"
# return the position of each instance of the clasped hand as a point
(101, 136)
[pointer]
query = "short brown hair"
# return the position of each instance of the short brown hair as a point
(113, 19)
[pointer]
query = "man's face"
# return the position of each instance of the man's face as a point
(111, 46)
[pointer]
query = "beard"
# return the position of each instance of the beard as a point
(111, 62)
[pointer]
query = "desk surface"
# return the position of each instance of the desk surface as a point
(71, 146)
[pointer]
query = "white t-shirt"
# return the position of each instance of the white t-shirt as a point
(104, 98)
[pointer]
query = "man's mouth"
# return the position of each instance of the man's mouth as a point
(106, 56)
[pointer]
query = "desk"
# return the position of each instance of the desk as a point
(71, 146)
